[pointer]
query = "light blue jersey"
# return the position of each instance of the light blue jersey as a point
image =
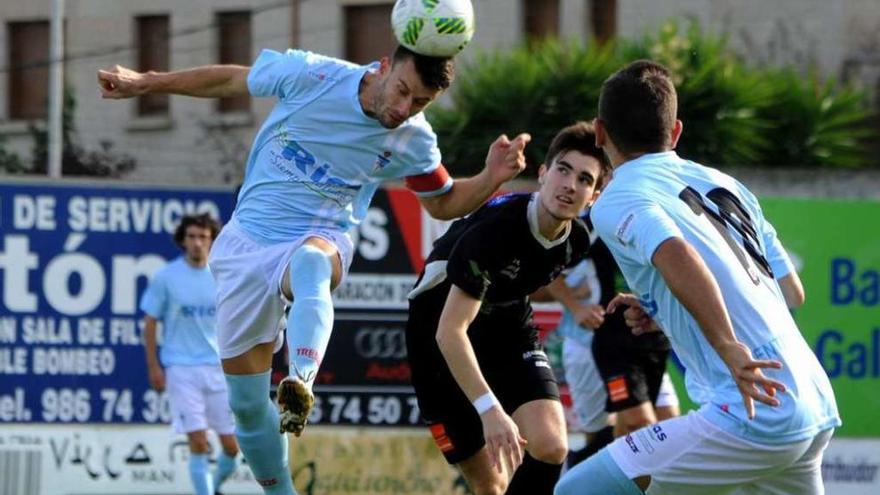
(184, 299)
(584, 273)
(318, 159)
(659, 196)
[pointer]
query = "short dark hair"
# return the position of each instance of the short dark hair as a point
(638, 107)
(436, 72)
(203, 220)
(580, 137)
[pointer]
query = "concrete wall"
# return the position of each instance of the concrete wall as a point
(198, 145)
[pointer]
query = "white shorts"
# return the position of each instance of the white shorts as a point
(666, 396)
(198, 399)
(248, 275)
(588, 394)
(587, 390)
(689, 455)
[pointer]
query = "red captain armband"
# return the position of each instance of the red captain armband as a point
(435, 182)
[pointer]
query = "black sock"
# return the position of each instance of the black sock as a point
(603, 438)
(534, 477)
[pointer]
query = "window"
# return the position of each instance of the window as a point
(234, 47)
(28, 69)
(152, 54)
(603, 20)
(540, 18)
(368, 34)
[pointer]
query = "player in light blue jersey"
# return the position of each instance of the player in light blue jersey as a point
(337, 132)
(694, 245)
(182, 296)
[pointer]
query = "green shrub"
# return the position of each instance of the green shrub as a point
(734, 114)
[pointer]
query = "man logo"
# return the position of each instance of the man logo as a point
(380, 343)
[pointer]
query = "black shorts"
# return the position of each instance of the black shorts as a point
(631, 366)
(511, 359)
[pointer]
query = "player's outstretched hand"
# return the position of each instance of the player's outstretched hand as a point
(506, 158)
(635, 315)
(589, 315)
(503, 441)
(120, 82)
(747, 373)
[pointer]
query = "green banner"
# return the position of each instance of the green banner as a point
(836, 245)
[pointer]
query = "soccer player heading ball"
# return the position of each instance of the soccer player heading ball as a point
(337, 131)
(436, 28)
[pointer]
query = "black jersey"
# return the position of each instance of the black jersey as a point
(497, 254)
(611, 282)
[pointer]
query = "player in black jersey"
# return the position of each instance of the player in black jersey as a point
(633, 367)
(482, 379)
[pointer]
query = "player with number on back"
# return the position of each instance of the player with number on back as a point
(694, 245)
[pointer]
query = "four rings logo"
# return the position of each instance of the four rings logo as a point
(383, 343)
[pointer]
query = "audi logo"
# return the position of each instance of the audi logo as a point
(382, 343)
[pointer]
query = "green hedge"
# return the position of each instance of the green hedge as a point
(733, 114)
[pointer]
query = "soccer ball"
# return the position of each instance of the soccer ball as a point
(437, 28)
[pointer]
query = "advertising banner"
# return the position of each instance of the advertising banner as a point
(836, 245)
(147, 460)
(74, 261)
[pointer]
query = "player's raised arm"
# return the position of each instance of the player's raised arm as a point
(693, 285)
(209, 81)
(504, 162)
(501, 433)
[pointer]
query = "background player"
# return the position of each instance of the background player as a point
(182, 296)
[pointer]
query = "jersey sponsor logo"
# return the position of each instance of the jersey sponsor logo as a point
(512, 269)
(298, 164)
(538, 357)
(537, 354)
(382, 160)
(498, 200)
(617, 389)
(192, 311)
(623, 232)
(444, 443)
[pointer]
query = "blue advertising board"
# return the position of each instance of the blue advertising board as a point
(74, 260)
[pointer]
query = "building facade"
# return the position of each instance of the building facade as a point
(194, 141)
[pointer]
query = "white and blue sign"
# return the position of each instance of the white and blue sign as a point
(73, 261)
